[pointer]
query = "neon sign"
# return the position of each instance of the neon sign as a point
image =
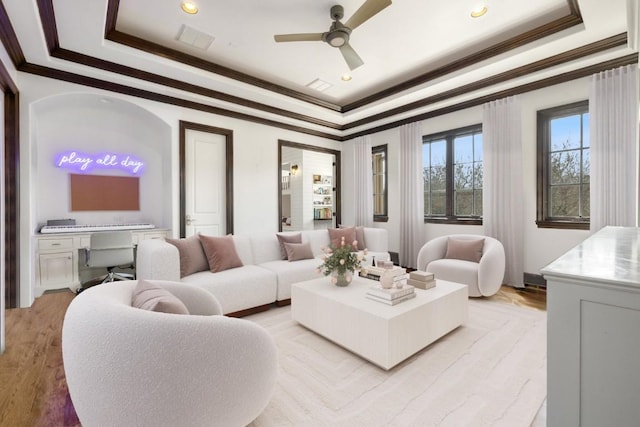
(82, 162)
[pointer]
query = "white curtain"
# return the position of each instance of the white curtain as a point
(363, 182)
(613, 111)
(411, 194)
(503, 189)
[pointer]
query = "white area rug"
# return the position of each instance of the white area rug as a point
(489, 372)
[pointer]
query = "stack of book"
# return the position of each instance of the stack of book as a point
(374, 273)
(391, 296)
(421, 279)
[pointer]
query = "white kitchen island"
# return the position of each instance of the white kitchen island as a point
(593, 336)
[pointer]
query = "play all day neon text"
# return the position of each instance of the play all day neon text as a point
(82, 162)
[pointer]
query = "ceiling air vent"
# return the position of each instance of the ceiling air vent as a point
(319, 85)
(195, 38)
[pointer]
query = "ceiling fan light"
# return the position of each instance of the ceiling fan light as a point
(337, 38)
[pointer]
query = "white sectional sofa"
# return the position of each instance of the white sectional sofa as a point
(265, 278)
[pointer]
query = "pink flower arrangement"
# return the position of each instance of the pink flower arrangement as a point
(341, 259)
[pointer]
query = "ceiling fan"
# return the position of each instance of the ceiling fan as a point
(338, 34)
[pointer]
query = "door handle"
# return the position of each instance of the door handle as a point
(189, 220)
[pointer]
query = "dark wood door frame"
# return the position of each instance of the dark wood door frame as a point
(228, 134)
(10, 227)
(336, 154)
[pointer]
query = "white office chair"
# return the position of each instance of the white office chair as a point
(110, 249)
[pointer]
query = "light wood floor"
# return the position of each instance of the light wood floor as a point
(33, 390)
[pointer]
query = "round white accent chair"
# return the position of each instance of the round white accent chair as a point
(127, 366)
(483, 278)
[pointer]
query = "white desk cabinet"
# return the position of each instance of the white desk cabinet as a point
(56, 269)
(59, 258)
(593, 337)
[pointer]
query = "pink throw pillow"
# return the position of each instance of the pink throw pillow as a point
(298, 251)
(359, 236)
(149, 296)
(221, 252)
(288, 238)
(336, 234)
(465, 249)
(192, 256)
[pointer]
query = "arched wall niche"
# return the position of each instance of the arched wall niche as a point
(95, 124)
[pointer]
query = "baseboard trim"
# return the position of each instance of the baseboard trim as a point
(283, 302)
(534, 280)
(248, 311)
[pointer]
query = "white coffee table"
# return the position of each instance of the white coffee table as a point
(385, 335)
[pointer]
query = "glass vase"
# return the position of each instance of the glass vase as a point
(341, 279)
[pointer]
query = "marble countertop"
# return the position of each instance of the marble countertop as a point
(611, 255)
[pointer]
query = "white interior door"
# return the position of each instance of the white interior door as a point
(205, 183)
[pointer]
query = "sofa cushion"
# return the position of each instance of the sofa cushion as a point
(298, 251)
(244, 248)
(464, 249)
(336, 235)
(456, 270)
(292, 272)
(318, 238)
(239, 288)
(149, 296)
(288, 238)
(265, 247)
(192, 256)
(221, 252)
(377, 239)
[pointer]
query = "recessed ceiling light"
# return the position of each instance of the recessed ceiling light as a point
(479, 11)
(346, 77)
(189, 7)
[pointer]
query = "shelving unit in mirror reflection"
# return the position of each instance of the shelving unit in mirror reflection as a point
(322, 197)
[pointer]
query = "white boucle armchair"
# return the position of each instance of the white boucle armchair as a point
(131, 367)
(483, 278)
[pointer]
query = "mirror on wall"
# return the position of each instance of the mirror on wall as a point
(309, 187)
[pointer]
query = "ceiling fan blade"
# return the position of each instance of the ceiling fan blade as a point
(368, 9)
(303, 37)
(350, 56)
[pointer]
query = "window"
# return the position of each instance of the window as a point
(563, 167)
(379, 168)
(452, 171)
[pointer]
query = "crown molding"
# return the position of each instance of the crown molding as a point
(9, 39)
(573, 18)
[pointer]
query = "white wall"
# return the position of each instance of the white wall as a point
(255, 165)
(86, 123)
(541, 245)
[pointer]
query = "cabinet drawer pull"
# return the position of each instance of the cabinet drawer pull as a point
(55, 244)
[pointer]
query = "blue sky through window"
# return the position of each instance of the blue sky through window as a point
(566, 130)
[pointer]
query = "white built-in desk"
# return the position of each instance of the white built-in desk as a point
(593, 336)
(59, 258)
